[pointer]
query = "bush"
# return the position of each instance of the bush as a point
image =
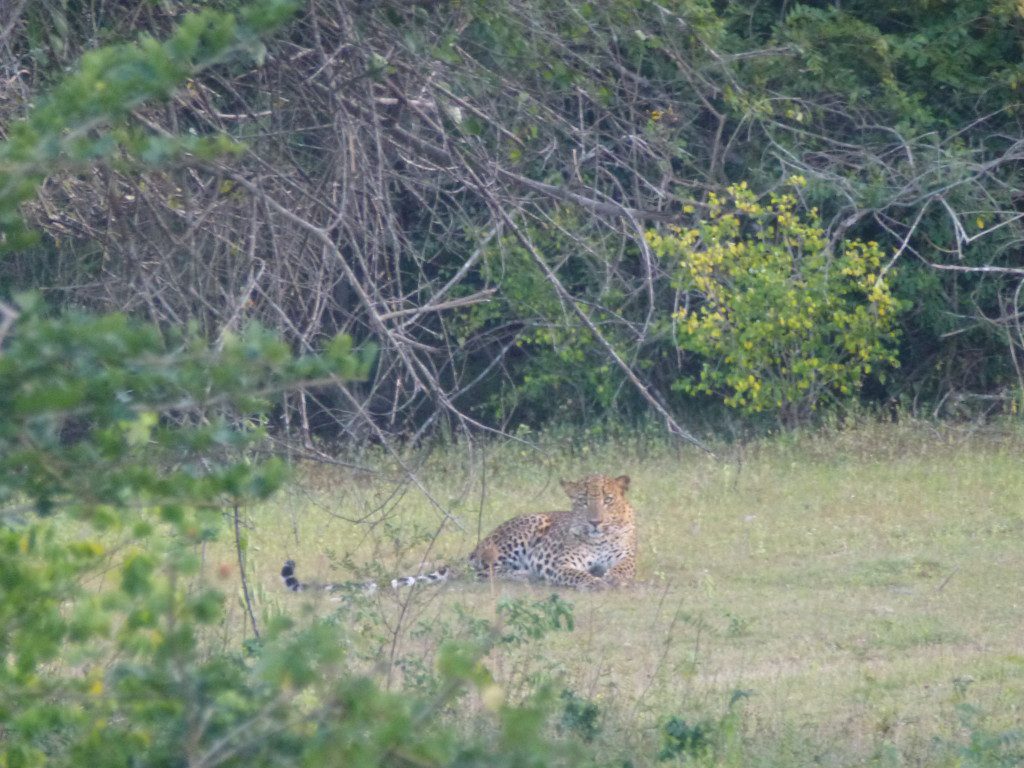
(779, 322)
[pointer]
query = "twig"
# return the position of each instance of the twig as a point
(241, 570)
(945, 581)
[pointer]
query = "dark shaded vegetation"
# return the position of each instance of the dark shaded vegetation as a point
(469, 184)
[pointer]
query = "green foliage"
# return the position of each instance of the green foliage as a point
(580, 716)
(779, 322)
(95, 408)
(85, 118)
(889, 108)
(531, 621)
(113, 431)
(708, 741)
(930, 63)
(982, 746)
(557, 370)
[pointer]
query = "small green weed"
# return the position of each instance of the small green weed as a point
(579, 716)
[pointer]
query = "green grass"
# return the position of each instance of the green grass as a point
(862, 586)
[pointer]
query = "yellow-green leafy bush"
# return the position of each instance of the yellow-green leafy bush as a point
(781, 319)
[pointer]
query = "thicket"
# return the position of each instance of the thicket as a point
(125, 447)
(471, 185)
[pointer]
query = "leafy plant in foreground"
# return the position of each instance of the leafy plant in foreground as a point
(86, 117)
(120, 449)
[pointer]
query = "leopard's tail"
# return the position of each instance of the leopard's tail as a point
(434, 577)
(291, 581)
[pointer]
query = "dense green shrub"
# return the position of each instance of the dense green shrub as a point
(780, 323)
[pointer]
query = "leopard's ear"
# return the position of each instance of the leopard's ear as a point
(571, 488)
(623, 481)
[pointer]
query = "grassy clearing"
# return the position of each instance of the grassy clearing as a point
(863, 588)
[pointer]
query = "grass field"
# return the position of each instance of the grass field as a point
(862, 588)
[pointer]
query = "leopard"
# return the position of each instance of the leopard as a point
(592, 546)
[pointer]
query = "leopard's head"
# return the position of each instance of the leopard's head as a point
(600, 498)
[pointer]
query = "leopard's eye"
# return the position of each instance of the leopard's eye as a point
(608, 499)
